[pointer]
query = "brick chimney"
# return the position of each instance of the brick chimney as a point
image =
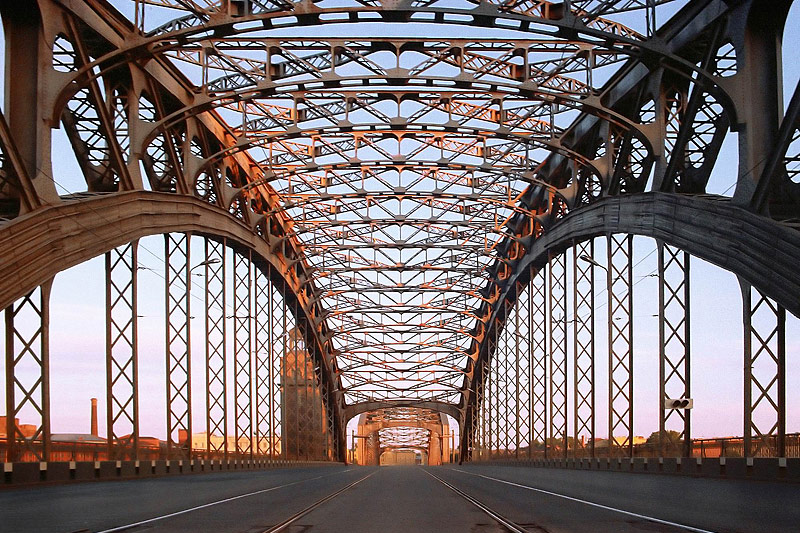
(94, 416)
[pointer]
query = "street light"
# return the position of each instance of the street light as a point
(207, 262)
(212, 261)
(591, 261)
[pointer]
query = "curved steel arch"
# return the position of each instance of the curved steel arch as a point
(356, 409)
(713, 229)
(61, 236)
(680, 63)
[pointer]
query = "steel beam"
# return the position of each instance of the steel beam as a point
(540, 358)
(764, 374)
(353, 410)
(263, 386)
(522, 372)
(583, 348)
(557, 311)
(216, 350)
(242, 354)
(759, 95)
(674, 350)
(15, 182)
(490, 393)
(178, 284)
(620, 344)
(278, 333)
(27, 379)
(122, 352)
(774, 193)
(27, 69)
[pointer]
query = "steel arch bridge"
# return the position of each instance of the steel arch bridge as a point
(408, 221)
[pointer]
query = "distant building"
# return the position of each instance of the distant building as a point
(27, 430)
(263, 445)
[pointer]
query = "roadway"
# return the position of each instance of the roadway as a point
(457, 499)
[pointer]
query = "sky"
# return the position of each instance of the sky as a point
(78, 331)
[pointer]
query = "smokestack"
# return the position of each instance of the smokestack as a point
(94, 416)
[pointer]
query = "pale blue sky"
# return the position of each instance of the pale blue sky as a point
(77, 325)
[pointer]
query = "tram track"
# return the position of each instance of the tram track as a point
(499, 518)
(150, 521)
(638, 516)
(322, 501)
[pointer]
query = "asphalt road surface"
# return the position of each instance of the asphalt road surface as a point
(458, 499)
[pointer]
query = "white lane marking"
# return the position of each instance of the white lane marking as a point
(197, 508)
(593, 504)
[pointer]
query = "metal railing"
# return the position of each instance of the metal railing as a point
(703, 448)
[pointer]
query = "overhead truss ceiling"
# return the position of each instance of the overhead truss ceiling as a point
(407, 151)
(403, 163)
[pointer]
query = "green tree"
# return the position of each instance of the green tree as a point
(672, 437)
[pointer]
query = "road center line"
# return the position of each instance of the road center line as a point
(205, 505)
(593, 504)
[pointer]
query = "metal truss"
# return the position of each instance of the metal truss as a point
(264, 386)
(122, 355)
(539, 359)
(620, 344)
(523, 376)
(481, 440)
(674, 349)
(506, 400)
(494, 396)
(390, 239)
(278, 335)
(27, 377)
(401, 192)
(400, 428)
(557, 313)
(242, 353)
(178, 284)
(764, 375)
(583, 348)
(216, 348)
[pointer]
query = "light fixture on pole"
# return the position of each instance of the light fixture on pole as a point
(591, 261)
(212, 261)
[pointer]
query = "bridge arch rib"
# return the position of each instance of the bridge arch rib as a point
(406, 190)
(92, 227)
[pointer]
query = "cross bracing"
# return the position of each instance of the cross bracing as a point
(407, 188)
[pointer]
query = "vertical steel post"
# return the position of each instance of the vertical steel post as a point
(522, 344)
(764, 374)
(242, 354)
(518, 396)
(539, 359)
(485, 446)
(177, 327)
(291, 354)
(583, 342)
(674, 349)
(490, 391)
(122, 358)
(504, 382)
(28, 349)
(263, 360)
(558, 350)
(216, 372)
(278, 374)
(620, 344)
